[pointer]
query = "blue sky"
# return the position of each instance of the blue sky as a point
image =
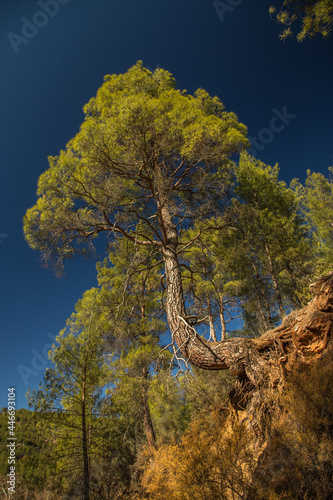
(54, 54)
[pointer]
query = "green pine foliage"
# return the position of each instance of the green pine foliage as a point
(316, 205)
(311, 17)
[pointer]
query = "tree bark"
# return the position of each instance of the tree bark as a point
(86, 478)
(212, 333)
(147, 421)
(274, 279)
(222, 318)
(264, 297)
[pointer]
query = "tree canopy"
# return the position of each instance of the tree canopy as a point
(144, 147)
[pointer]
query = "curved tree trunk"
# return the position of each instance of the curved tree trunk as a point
(230, 353)
(240, 355)
(301, 333)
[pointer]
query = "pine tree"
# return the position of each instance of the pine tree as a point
(71, 395)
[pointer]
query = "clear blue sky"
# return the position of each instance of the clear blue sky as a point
(52, 63)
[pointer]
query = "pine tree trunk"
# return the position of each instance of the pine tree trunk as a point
(268, 321)
(222, 318)
(212, 333)
(86, 479)
(274, 279)
(263, 326)
(147, 421)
